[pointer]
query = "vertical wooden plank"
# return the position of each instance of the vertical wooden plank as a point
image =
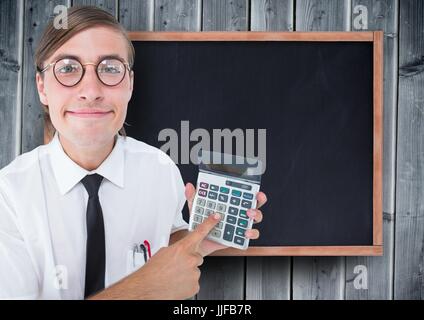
(409, 228)
(320, 277)
(36, 16)
(272, 15)
(382, 15)
(322, 15)
(136, 15)
(178, 15)
(107, 5)
(269, 277)
(10, 79)
(225, 15)
(223, 277)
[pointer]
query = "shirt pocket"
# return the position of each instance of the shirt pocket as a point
(135, 260)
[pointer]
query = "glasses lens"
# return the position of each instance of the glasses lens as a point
(68, 71)
(111, 71)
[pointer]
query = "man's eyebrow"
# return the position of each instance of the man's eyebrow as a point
(99, 58)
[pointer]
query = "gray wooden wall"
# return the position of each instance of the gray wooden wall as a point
(399, 274)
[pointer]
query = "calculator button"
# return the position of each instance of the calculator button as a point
(197, 218)
(202, 193)
(243, 214)
(214, 187)
(233, 211)
(231, 219)
(247, 195)
(212, 195)
(223, 198)
(240, 232)
(228, 232)
(235, 201)
(219, 225)
(224, 190)
(238, 240)
(210, 205)
(201, 202)
(246, 204)
(242, 223)
(203, 185)
(215, 233)
(195, 225)
(208, 212)
(236, 193)
(198, 210)
(221, 207)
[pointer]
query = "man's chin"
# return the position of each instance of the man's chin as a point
(91, 138)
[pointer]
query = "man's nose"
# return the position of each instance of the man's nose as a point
(90, 87)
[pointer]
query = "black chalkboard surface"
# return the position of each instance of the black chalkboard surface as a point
(314, 98)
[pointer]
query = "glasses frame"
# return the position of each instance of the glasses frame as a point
(53, 64)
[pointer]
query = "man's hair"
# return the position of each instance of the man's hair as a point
(79, 18)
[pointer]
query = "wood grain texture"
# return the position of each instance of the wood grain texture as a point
(222, 279)
(107, 5)
(252, 36)
(268, 278)
(320, 15)
(10, 79)
(378, 138)
(382, 15)
(136, 15)
(271, 15)
(36, 16)
(225, 15)
(177, 15)
(320, 278)
(409, 229)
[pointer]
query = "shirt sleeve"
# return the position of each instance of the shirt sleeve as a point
(18, 279)
(179, 223)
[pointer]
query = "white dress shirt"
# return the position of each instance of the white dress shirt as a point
(43, 216)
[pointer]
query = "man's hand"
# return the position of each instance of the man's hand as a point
(206, 246)
(173, 271)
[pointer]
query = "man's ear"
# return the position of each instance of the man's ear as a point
(40, 88)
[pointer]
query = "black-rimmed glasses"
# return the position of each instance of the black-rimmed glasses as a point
(69, 71)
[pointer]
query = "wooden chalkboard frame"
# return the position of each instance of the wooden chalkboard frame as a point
(376, 37)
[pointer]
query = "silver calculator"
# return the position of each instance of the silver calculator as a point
(226, 184)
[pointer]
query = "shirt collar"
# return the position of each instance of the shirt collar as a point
(68, 173)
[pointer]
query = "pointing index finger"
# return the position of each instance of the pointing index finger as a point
(202, 230)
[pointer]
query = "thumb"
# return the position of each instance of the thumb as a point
(202, 230)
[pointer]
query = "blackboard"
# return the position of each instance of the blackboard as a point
(318, 95)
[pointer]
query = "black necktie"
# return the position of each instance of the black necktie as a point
(96, 252)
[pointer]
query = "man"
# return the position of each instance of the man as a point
(71, 211)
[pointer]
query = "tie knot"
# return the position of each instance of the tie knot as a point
(92, 183)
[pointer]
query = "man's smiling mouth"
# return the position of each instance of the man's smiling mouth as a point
(88, 113)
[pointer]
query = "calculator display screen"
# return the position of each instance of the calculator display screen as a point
(234, 166)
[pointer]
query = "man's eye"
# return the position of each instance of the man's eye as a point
(68, 69)
(110, 69)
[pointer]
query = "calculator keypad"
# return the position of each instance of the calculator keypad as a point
(231, 203)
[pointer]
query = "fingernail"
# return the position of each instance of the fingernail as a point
(217, 216)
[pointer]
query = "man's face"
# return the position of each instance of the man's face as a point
(71, 108)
